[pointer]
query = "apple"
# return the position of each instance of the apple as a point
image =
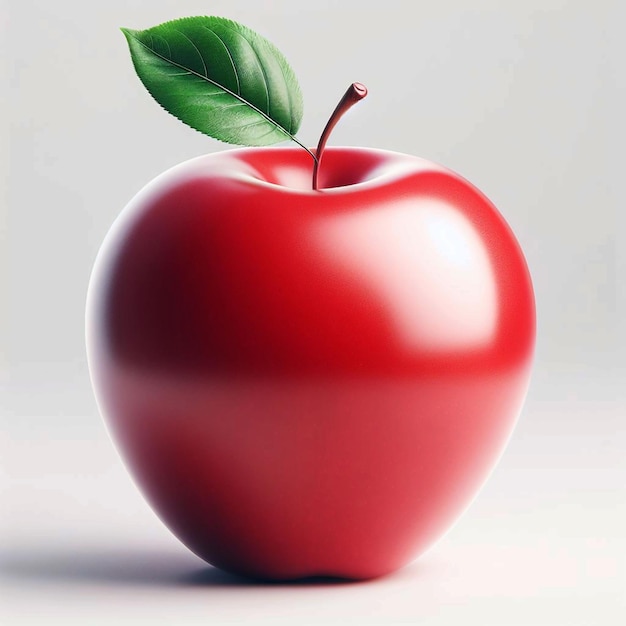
(310, 382)
(309, 371)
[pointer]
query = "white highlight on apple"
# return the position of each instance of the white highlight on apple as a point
(437, 257)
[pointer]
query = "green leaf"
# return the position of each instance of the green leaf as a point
(220, 78)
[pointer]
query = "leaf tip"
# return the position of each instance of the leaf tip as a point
(128, 32)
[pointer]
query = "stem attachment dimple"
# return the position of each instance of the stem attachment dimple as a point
(355, 92)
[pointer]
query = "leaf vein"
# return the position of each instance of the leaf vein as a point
(230, 56)
(271, 130)
(166, 42)
(258, 61)
(221, 107)
(249, 125)
(206, 73)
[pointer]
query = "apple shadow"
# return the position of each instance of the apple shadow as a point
(95, 566)
(211, 576)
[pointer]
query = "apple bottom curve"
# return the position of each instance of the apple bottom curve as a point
(285, 480)
(310, 383)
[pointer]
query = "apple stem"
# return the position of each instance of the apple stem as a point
(355, 92)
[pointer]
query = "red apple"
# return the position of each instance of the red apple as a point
(310, 382)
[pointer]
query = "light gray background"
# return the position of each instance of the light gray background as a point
(525, 99)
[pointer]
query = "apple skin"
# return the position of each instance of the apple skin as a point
(310, 383)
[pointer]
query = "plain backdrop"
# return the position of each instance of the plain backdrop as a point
(525, 99)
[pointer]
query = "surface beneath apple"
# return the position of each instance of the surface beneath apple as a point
(310, 382)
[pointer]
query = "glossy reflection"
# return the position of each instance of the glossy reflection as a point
(310, 383)
(416, 252)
